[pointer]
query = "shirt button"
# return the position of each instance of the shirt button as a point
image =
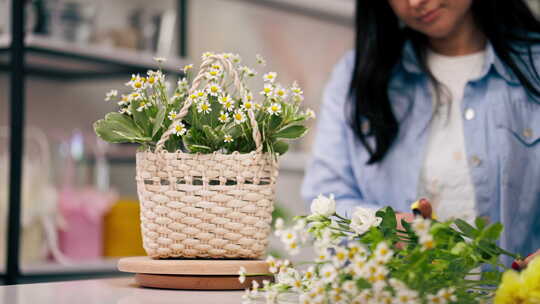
(528, 133)
(469, 114)
(475, 161)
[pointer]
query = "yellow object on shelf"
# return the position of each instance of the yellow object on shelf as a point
(122, 230)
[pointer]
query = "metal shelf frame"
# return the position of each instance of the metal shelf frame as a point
(18, 72)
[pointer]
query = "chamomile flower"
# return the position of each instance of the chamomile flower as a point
(154, 77)
(260, 60)
(111, 95)
(125, 111)
(207, 55)
(204, 107)
(288, 236)
(248, 71)
(249, 96)
(421, 226)
(292, 248)
(242, 274)
(137, 83)
(124, 100)
(298, 98)
(239, 116)
(340, 257)
(268, 90)
(310, 114)
(225, 98)
(280, 92)
(213, 89)
(223, 117)
(247, 105)
(216, 67)
(213, 74)
(350, 287)
(272, 264)
(426, 241)
(236, 58)
(187, 68)
(172, 115)
(143, 105)
(270, 77)
(296, 90)
(274, 109)
(200, 95)
(179, 129)
(135, 96)
(383, 253)
(228, 138)
(328, 273)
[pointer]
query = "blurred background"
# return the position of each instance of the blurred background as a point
(79, 208)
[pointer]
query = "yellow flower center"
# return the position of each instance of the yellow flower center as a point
(200, 94)
(205, 107)
(267, 90)
(247, 105)
(138, 85)
(238, 116)
(214, 89)
(281, 93)
(275, 108)
(151, 80)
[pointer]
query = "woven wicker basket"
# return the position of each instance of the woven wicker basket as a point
(206, 205)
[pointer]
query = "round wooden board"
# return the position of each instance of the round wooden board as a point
(196, 282)
(146, 265)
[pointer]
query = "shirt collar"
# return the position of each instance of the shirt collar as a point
(410, 63)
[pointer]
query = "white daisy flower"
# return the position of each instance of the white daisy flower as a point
(447, 294)
(216, 67)
(242, 274)
(270, 77)
(281, 92)
(213, 89)
(260, 60)
(135, 96)
(248, 71)
(421, 226)
(213, 74)
(288, 236)
(200, 94)
(310, 114)
(172, 115)
(143, 105)
(274, 109)
(188, 67)
(111, 94)
(426, 241)
(236, 58)
(292, 248)
(160, 59)
(268, 90)
(124, 100)
(295, 89)
(279, 224)
(204, 107)
(328, 273)
(154, 77)
(340, 257)
(207, 55)
(239, 117)
(383, 253)
(179, 129)
(249, 96)
(223, 117)
(298, 98)
(247, 105)
(228, 138)
(139, 83)
(223, 99)
(272, 264)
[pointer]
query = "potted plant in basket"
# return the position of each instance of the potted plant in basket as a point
(207, 162)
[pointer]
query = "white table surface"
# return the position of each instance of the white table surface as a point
(109, 291)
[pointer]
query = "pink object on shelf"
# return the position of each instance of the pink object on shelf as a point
(83, 210)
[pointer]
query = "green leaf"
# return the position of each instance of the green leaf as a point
(493, 232)
(275, 121)
(480, 223)
(281, 147)
(158, 123)
(141, 118)
(467, 229)
(119, 128)
(199, 148)
(211, 135)
(291, 132)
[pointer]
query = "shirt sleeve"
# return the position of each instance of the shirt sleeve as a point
(330, 168)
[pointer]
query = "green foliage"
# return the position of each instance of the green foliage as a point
(215, 121)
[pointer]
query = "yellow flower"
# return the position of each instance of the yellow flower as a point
(511, 290)
(531, 280)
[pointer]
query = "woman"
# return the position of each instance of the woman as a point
(440, 99)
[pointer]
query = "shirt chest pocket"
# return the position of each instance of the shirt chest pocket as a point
(520, 119)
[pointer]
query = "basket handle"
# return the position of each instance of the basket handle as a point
(239, 86)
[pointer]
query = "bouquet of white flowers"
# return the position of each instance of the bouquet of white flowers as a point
(368, 259)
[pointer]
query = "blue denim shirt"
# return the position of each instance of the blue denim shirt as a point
(502, 141)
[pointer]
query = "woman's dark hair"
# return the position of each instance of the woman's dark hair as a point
(509, 25)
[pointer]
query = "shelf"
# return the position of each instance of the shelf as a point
(105, 265)
(67, 60)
